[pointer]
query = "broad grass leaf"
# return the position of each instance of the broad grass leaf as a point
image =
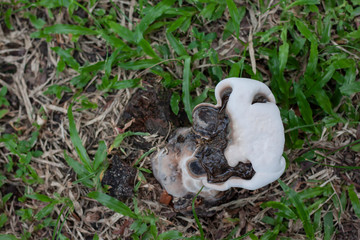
(109, 62)
(81, 80)
(187, 76)
(326, 31)
(113, 204)
(317, 220)
(314, 192)
(174, 102)
(302, 3)
(7, 237)
(284, 210)
(6, 198)
(100, 155)
(122, 31)
(313, 58)
(328, 73)
(151, 16)
(83, 174)
(354, 200)
(39, 197)
(7, 18)
(131, 83)
(301, 209)
(328, 225)
(3, 219)
(93, 67)
(207, 12)
(113, 41)
(304, 30)
(38, 23)
(324, 101)
(75, 139)
(343, 63)
(236, 68)
(199, 99)
(356, 147)
(3, 112)
(172, 234)
(176, 24)
(45, 211)
(67, 57)
(176, 45)
(355, 34)
(145, 45)
(297, 45)
(69, 29)
(237, 14)
(138, 65)
(283, 56)
(119, 138)
(303, 104)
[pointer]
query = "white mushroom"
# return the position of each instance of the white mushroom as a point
(236, 143)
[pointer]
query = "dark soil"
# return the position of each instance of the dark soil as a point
(120, 177)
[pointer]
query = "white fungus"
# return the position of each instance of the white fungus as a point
(254, 134)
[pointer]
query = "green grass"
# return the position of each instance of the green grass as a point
(309, 59)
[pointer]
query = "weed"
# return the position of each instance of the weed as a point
(88, 170)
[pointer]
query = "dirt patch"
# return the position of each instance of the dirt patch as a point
(148, 110)
(120, 177)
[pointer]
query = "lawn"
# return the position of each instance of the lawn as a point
(91, 87)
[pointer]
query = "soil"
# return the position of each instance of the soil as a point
(120, 179)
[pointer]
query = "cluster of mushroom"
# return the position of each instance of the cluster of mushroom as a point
(236, 143)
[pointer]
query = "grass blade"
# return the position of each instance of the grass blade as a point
(174, 102)
(39, 197)
(113, 204)
(151, 16)
(301, 3)
(303, 104)
(138, 65)
(301, 209)
(148, 50)
(313, 58)
(131, 83)
(304, 30)
(69, 29)
(284, 210)
(119, 138)
(328, 226)
(202, 236)
(176, 45)
(80, 150)
(283, 56)
(67, 57)
(186, 88)
(100, 155)
(83, 175)
(354, 200)
(122, 31)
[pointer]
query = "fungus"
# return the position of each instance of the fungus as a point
(236, 143)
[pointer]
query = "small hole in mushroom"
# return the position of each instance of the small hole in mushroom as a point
(196, 168)
(259, 98)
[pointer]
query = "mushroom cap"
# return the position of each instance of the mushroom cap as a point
(256, 133)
